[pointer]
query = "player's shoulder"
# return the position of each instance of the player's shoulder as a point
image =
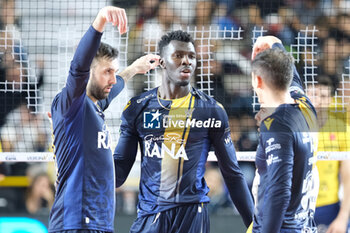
(300, 97)
(205, 99)
(275, 123)
(139, 101)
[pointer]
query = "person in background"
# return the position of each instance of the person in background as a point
(332, 215)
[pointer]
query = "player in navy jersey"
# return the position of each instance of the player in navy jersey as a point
(85, 196)
(286, 182)
(175, 126)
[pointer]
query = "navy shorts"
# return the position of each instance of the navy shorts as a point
(191, 218)
(325, 215)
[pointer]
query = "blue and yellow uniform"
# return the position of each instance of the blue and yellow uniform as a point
(85, 197)
(175, 137)
(333, 136)
(287, 180)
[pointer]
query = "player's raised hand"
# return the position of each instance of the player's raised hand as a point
(263, 43)
(145, 63)
(140, 66)
(111, 14)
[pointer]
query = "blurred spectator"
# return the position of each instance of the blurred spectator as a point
(219, 200)
(306, 13)
(25, 132)
(145, 10)
(40, 195)
(185, 9)
(333, 136)
(153, 28)
(329, 60)
(322, 24)
(204, 11)
(8, 17)
(17, 84)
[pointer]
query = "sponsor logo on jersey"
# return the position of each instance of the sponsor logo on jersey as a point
(272, 159)
(268, 122)
(152, 149)
(170, 137)
(271, 146)
(191, 123)
(153, 120)
(103, 138)
(228, 140)
(144, 98)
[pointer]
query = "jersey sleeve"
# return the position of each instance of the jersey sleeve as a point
(225, 152)
(297, 84)
(126, 149)
(277, 143)
(116, 89)
(70, 97)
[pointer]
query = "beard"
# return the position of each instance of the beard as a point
(96, 91)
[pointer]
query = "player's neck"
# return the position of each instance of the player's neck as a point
(275, 99)
(91, 97)
(170, 91)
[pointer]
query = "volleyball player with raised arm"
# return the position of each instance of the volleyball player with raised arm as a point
(286, 182)
(85, 196)
(175, 126)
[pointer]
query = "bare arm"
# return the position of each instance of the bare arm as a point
(340, 223)
(140, 66)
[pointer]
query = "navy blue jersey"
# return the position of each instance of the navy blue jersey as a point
(85, 197)
(175, 137)
(287, 179)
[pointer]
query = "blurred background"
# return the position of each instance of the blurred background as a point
(37, 42)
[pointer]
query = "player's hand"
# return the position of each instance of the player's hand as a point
(140, 66)
(263, 43)
(145, 63)
(111, 14)
(338, 226)
(263, 113)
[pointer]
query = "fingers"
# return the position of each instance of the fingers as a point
(263, 43)
(123, 22)
(146, 63)
(153, 60)
(116, 16)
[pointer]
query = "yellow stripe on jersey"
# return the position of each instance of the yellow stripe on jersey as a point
(311, 120)
(308, 114)
(173, 147)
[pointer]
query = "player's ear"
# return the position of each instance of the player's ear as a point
(161, 63)
(259, 81)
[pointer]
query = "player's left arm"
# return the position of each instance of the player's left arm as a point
(233, 177)
(340, 223)
(126, 149)
(277, 141)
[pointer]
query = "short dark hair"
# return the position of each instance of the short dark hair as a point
(106, 51)
(275, 66)
(178, 35)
